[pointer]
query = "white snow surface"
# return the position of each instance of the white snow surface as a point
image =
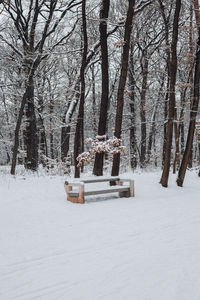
(110, 248)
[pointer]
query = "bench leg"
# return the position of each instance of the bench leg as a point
(132, 188)
(80, 198)
(131, 193)
(125, 194)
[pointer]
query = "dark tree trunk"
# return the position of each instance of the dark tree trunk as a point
(193, 114)
(31, 138)
(166, 24)
(181, 126)
(94, 105)
(143, 111)
(65, 137)
(51, 109)
(176, 163)
(172, 72)
(42, 142)
(78, 146)
(133, 139)
(98, 164)
(17, 130)
(165, 120)
(122, 83)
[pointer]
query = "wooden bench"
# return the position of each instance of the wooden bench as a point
(76, 191)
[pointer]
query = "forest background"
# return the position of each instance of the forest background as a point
(71, 70)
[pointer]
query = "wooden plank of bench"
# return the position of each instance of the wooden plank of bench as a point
(113, 189)
(93, 180)
(101, 179)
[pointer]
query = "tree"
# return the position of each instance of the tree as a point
(105, 4)
(122, 82)
(79, 138)
(171, 106)
(194, 106)
(27, 19)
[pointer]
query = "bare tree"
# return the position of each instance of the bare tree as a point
(98, 164)
(33, 38)
(122, 82)
(78, 139)
(172, 82)
(194, 106)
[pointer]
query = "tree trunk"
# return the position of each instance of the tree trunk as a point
(65, 131)
(17, 130)
(165, 120)
(31, 138)
(42, 142)
(98, 164)
(94, 104)
(176, 163)
(51, 109)
(172, 71)
(152, 125)
(79, 126)
(122, 83)
(193, 114)
(194, 103)
(143, 111)
(191, 53)
(133, 139)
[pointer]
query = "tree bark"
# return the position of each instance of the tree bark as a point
(105, 4)
(193, 114)
(143, 111)
(172, 72)
(194, 104)
(78, 144)
(31, 138)
(122, 83)
(153, 123)
(17, 129)
(133, 139)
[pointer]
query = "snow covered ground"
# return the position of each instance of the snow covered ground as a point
(110, 248)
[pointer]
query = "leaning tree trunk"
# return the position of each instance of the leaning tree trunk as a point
(122, 82)
(98, 164)
(195, 103)
(79, 125)
(172, 72)
(193, 114)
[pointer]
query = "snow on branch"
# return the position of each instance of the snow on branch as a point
(100, 145)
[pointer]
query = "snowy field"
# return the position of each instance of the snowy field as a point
(110, 248)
